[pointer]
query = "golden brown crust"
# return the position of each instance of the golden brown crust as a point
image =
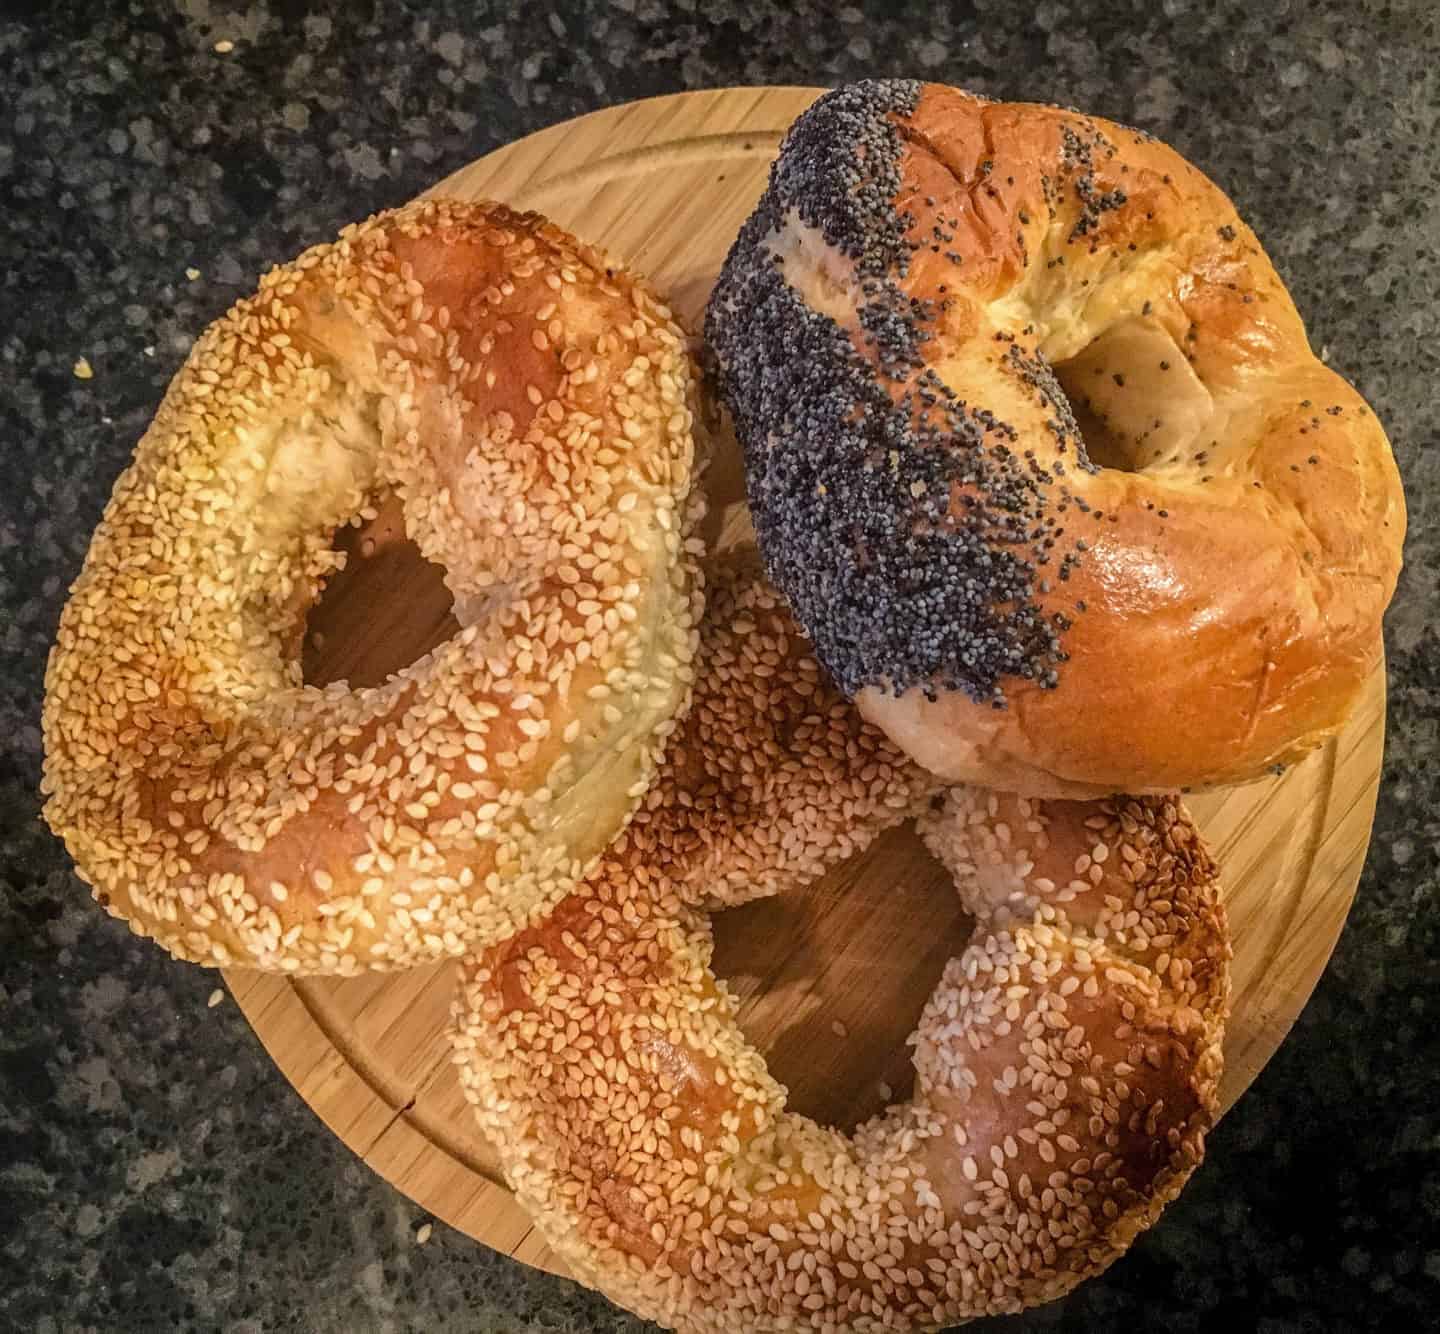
(1236, 632)
(1219, 606)
(1066, 1064)
(531, 405)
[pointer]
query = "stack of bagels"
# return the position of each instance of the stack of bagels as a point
(1056, 515)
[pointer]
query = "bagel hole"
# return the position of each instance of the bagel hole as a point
(1136, 399)
(387, 608)
(1103, 447)
(832, 978)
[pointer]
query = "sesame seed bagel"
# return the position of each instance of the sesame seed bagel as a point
(530, 405)
(943, 317)
(1066, 1064)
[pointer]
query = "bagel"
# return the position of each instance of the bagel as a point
(1066, 1064)
(943, 316)
(531, 406)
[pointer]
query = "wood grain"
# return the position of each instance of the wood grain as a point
(833, 979)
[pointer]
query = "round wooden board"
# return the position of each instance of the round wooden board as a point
(831, 980)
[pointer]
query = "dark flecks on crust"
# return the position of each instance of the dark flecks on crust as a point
(1078, 153)
(840, 168)
(901, 522)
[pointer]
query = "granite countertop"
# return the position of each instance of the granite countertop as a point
(156, 1171)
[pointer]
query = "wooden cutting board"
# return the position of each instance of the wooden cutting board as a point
(834, 979)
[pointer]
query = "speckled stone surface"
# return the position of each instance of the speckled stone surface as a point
(156, 1172)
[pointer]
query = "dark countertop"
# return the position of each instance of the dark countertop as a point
(156, 1171)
